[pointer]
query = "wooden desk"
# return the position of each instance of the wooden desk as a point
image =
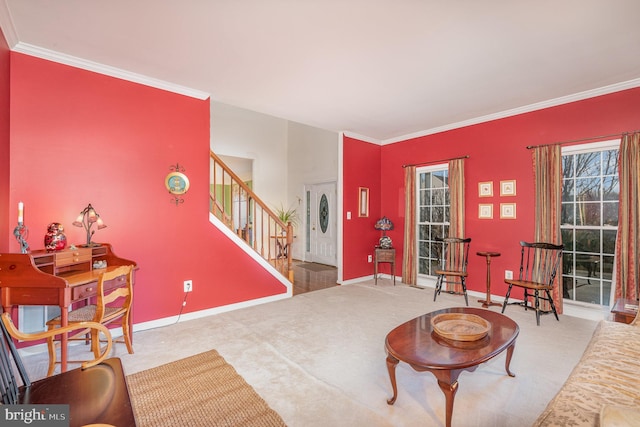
(54, 278)
(385, 255)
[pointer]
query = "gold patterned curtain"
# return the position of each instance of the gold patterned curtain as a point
(456, 210)
(547, 165)
(409, 267)
(627, 263)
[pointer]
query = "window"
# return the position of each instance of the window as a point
(589, 222)
(432, 215)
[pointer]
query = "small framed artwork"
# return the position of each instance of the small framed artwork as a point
(507, 211)
(363, 201)
(508, 188)
(485, 189)
(485, 211)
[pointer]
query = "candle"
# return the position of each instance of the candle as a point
(20, 212)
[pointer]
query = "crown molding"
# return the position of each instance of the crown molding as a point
(6, 23)
(605, 90)
(362, 138)
(107, 70)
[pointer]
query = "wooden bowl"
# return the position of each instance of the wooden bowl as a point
(460, 326)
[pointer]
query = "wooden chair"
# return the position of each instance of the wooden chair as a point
(113, 303)
(96, 393)
(538, 267)
(453, 265)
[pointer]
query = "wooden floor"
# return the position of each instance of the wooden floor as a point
(309, 277)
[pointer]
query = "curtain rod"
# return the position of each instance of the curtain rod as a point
(436, 161)
(529, 147)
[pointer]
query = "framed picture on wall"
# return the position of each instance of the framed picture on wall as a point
(508, 188)
(507, 211)
(363, 201)
(485, 211)
(485, 189)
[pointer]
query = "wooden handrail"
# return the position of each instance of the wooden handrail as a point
(263, 230)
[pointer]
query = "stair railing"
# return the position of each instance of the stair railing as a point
(237, 206)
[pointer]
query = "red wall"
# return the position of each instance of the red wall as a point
(79, 137)
(497, 151)
(5, 231)
(359, 236)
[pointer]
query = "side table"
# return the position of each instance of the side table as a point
(385, 255)
(625, 310)
(487, 303)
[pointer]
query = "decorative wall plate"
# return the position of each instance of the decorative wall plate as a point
(177, 183)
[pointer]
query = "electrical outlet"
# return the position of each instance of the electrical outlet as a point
(508, 274)
(188, 285)
(369, 258)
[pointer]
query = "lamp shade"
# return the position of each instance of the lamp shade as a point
(384, 224)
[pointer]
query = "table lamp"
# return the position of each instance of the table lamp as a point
(86, 219)
(384, 224)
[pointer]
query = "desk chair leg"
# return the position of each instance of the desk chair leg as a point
(506, 298)
(553, 306)
(438, 287)
(464, 290)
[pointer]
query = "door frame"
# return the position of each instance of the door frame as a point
(333, 213)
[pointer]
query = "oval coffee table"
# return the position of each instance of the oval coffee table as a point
(414, 342)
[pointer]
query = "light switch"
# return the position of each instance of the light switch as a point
(348, 215)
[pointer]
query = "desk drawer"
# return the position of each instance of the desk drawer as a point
(91, 289)
(84, 291)
(385, 255)
(72, 257)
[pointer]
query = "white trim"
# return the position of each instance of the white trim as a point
(253, 254)
(605, 90)
(362, 138)
(612, 144)
(230, 307)
(204, 313)
(341, 214)
(73, 61)
(6, 23)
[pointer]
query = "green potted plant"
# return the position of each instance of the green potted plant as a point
(287, 215)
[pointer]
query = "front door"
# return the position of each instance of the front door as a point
(321, 223)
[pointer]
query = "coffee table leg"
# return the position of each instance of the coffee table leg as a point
(392, 362)
(508, 361)
(448, 382)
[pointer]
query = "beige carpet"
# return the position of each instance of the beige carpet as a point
(318, 359)
(201, 390)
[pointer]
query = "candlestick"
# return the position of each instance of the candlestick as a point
(20, 213)
(21, 232)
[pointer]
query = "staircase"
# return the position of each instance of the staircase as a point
(236, 205)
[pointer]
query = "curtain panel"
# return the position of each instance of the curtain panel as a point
(456, 211)
(547, 167)
(409, 266)
(627, 263)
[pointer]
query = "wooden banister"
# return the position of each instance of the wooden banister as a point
(250, 218)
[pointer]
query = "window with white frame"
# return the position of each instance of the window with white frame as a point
(432, 215)
(589, 222)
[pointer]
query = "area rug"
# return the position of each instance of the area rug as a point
(315, 267)
(201, 390)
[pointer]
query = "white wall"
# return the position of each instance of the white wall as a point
(313, 159)
(287, 155)
(243, 133)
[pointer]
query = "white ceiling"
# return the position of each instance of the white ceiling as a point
(383, 69)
